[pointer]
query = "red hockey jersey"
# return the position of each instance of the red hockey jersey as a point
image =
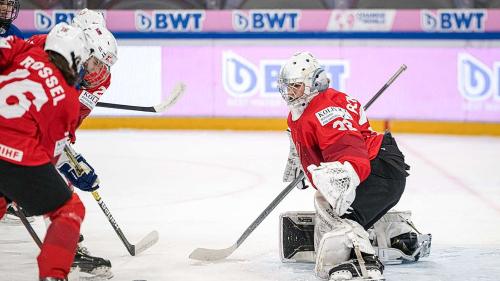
(88, 97)
(334, 127)
(38, 109)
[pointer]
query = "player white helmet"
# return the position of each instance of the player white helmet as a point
(86, 18)
(104, 52)
(69, 42)
(301, 77)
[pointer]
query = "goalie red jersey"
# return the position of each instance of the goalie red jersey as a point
(38, 109)
(333, 128)
(89, 96)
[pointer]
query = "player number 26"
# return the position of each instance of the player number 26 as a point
(17, 90)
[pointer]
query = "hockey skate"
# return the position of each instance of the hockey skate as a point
(98, 268)
(353, 270)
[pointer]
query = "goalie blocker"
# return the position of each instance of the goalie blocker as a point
(394, 237)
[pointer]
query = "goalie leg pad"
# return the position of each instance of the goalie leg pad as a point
(397, 240)
(336, 238)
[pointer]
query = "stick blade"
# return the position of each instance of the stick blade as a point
(174, 96)
(203, 254)
(146, 242)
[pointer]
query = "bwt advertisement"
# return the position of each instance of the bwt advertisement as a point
(453, 84)
(158, 21)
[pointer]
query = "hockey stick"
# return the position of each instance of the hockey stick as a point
(145, 243)
(204, 254)
(386, 85)
(27, 224)
(174, 96)
(218, 254)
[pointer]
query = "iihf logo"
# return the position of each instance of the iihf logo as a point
(45, 21)
(143, 21)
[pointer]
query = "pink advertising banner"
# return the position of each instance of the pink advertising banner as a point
(440, 84)
(184, 21)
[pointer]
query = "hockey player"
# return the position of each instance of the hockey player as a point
(38, 115)
(97, 76)
(359, 174)
(96, 80)
(9, 9)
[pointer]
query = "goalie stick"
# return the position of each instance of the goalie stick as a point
(134, 249)
(174, 96)
(204, 254)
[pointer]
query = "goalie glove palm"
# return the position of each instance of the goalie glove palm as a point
(337, 182)
(86, 181)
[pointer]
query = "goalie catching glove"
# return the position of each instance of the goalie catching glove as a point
(85, 180)
(337, 182)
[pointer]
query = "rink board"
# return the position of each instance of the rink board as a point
(276, 124)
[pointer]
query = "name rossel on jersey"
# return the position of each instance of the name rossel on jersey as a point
(55, 89)
(330, 113)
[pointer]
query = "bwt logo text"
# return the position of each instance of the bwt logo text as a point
(476, 81)
(266, 20)
(169, 21)
(453, 20)
(44, 21)
(243, 79)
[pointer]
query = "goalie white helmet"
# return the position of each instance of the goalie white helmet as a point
(86, 18)
(104, 52)
(69, 42)
(300, 78)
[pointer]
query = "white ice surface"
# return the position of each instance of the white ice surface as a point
(202, 189)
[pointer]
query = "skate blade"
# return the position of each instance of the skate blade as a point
(97, 274)
(365, 279)
(362, 279)
(381, 278)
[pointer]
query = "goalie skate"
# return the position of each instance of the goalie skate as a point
(97, 268)
(351, 270)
